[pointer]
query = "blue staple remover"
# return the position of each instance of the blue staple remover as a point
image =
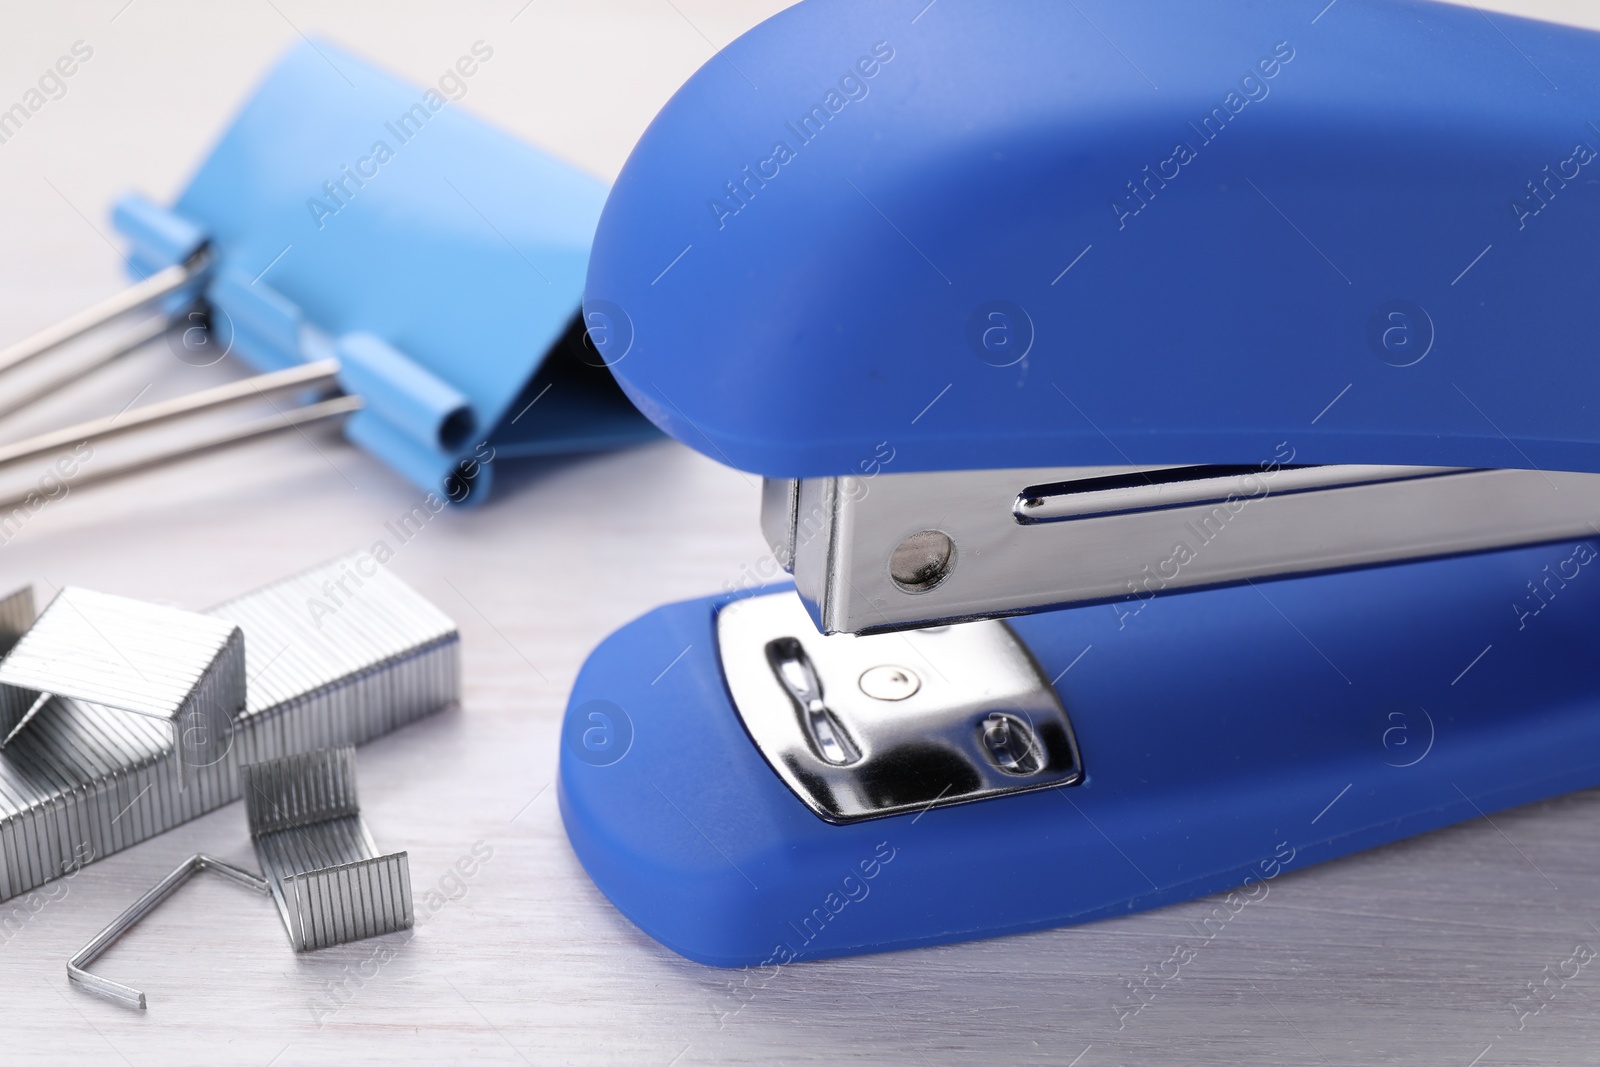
(1179, 420)
(352, 231)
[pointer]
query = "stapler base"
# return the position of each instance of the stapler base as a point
(1226, 737)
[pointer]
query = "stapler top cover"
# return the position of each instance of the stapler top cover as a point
(1028, 233)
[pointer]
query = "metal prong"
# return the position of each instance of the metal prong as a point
(127, 995)
(125, 344)
(265, 426)
(322, 371)
(136, 297)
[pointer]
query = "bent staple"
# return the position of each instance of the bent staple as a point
(328, 878)
(84, 779)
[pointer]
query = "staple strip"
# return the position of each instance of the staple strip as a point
(143, 658)
(328, 669)
(300, 790)
(349, 902)
(330, 883)
(83, 780)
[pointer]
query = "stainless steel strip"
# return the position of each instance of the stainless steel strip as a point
(321, 372)
(975, 559)
(216, 441)
(138, 296)
(17, 399)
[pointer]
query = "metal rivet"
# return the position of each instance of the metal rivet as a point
(922, 561)
(889, 683)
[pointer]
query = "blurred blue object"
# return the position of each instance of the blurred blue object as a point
(351, 214)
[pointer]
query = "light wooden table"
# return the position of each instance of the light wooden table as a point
(1413, 953)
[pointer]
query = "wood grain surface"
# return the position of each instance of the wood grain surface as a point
(1415, 953)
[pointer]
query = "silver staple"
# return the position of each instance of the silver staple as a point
(84, 779)
(330, 882)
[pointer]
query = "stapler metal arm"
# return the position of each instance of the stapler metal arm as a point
(910, 550)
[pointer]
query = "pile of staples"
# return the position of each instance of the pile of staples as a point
(123, 719)
(331, 883)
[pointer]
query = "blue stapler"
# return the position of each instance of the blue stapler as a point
(1179, 421)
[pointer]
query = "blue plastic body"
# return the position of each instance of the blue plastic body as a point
(1033, 233)
(1399, 700)
(354, 214)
